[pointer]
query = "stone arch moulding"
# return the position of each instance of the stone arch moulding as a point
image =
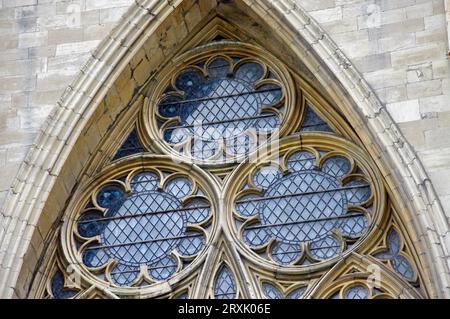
(45, 162)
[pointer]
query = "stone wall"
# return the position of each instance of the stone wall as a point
(43, 44)
(400, 47)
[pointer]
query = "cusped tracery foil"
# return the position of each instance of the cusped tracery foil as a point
(217, 107)
(143, 228)
(310, 206)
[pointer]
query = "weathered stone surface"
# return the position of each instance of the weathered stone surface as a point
(399, 46)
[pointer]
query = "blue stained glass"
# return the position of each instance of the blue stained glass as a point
(170, 106)
(246, 207)
(395, 243)
(336, 166)
(271, 291)
(123, 275)
(220, 107)
(403, 267)
(357, 292)
(163, 269)
(145, 182)
(183, 295)
(296, 293)
(95, 258)
(301, 161)
(266, 176)
(304, 206)
(154, 230)
(301, 211)
(224, 286)
(312, 122)
(188, 81)
(269, 94)
(354, 226)
(256, 237)
(325, 248)
(241, 145)
(192, 244)
(89, 224)
(179, 187)
(203, 149)
(218, 68)
(285, 254)
(199, 215)
(58, 289)
(132, 145)
(144, 228)
(176, 135)
(249, 72)
(360, 193)
(110, 196)
(400, 264)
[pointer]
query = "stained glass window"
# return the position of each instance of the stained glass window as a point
(272, 292)
(218, 104)
(58, 289)
(313, 123)
(305, 205)
(224, 285)
(130, 146)
(144, 227)
(399, 262)
(299, 208)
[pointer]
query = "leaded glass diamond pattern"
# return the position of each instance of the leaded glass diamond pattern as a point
(353, 226)
(302, 211)
(220, 107)
(357, 292)
(403, 267)
(123, 275)
(305, 205)
(400, 264)
(272, 292)
(179, 187)
(163, 269)
(246, 207)
(285, 254)
(336, 166)
(266, 176)
(191, 244)
(301, 161)
(296, 293)
(256, 237)
(325, 248)
(95, 257)
(360, 193)
(198, 211)
(144, 182)
(224, 286)
(144, 227)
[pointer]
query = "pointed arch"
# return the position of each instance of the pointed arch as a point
(115, 73)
